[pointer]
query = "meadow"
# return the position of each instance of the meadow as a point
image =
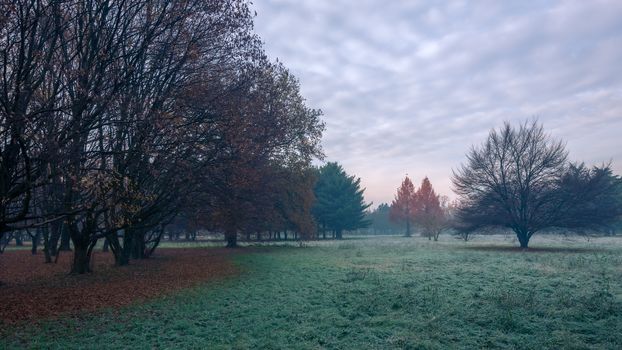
(374, 293)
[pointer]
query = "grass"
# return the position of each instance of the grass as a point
(394, 293)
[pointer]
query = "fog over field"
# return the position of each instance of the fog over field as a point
(408, 87)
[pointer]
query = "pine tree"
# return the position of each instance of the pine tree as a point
(339, 202)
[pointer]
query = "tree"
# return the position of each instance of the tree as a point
(295, 200)
(588, 198)
(119, 82)
(404, 206)
(380, 219)
(268, 123)
(519, 178)
(339, 202)
(28, 44)
(430, 215)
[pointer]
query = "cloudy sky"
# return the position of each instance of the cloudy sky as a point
(408, 86)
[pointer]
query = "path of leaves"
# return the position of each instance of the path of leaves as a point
(32, 290)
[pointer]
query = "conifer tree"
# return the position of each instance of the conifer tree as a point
(339, 201)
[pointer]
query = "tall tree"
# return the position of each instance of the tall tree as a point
(520, 178)
(109, 47)
(340, 204)
(404, 206)
(29, 90)
(269, 123)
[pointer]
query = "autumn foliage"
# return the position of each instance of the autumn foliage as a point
(404, 206)
(166, 109)
(421, 207)
(429, 215)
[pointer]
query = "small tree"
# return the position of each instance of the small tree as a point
(430, 215)
(404, 205)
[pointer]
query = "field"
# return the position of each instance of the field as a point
(360, 293)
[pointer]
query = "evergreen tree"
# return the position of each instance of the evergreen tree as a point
(339, 202)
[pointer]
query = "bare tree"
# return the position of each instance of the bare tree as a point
(520, 179)
(508, 181)
(28, 43)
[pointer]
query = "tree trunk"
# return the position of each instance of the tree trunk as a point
(64, 239)
(35, 241)
(149, 250)
(126, 250)
(46, 244)
(18, 239)
(121, 255)
(138, 246)
(81, 259)
(231, 236)
(106, 246)
(338, 234)
(55, 228)
(523, 238)
(408, 233)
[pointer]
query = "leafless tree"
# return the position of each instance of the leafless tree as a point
(29, 88)
(508, 180)
(519, 178)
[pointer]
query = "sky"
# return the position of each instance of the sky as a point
(407, 87)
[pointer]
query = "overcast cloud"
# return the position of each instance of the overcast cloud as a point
(409, 86)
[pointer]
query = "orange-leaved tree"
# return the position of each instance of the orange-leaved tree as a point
(430, 215)
(404, 206)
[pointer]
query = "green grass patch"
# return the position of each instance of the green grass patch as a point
(373, 294)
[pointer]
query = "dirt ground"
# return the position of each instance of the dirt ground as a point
(32, 290)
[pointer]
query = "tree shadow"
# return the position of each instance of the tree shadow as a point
(511, 249)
